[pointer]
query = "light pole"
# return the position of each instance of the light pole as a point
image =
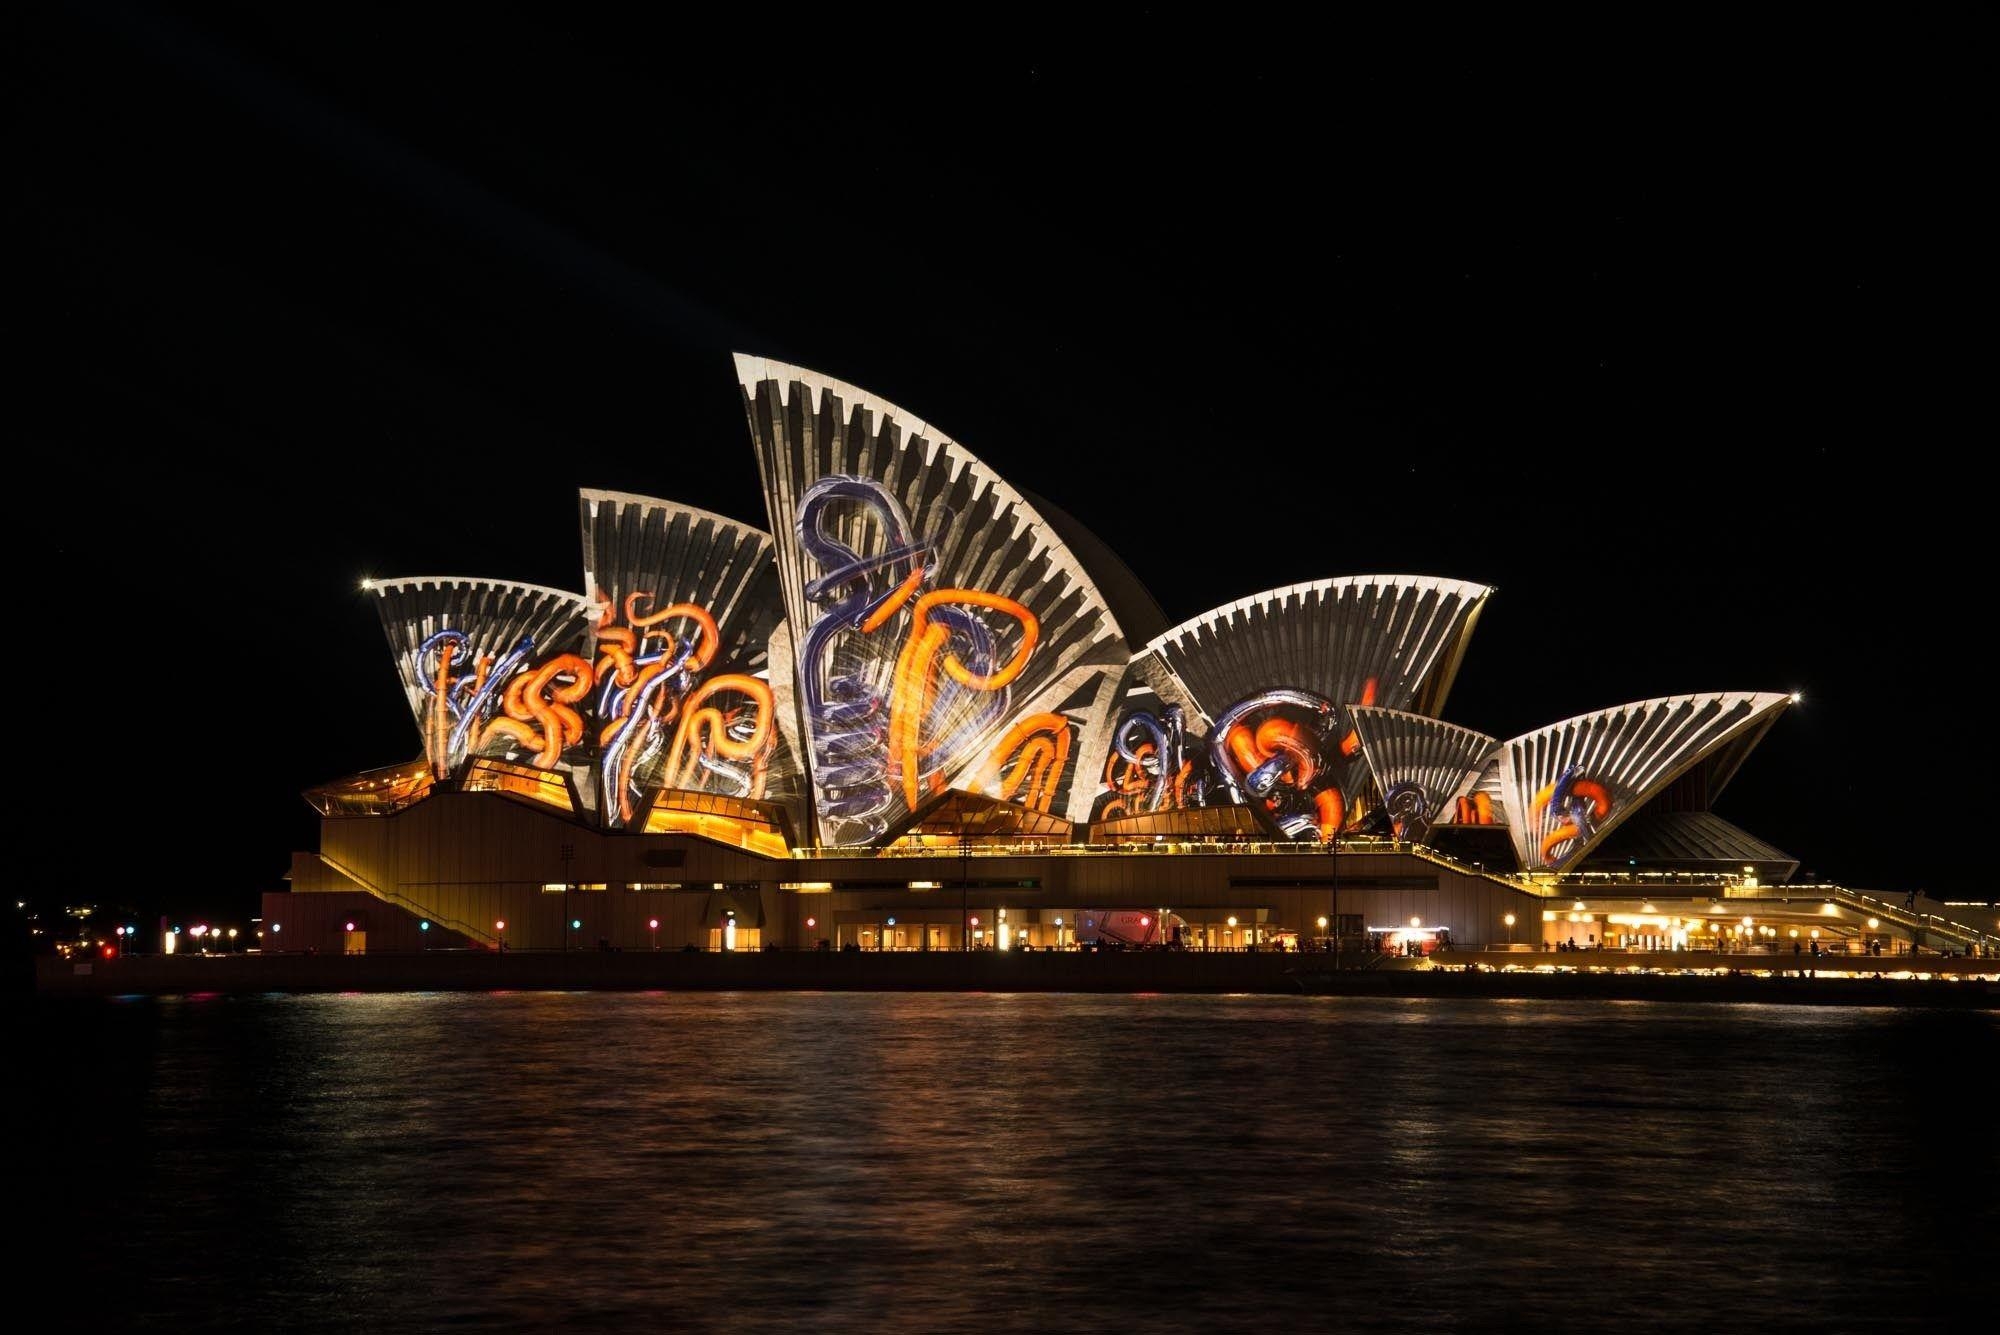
(653, 926)
(964, 887)
(1333, 892)
(568, 851)
(1509, 920)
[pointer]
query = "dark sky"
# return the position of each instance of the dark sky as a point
(1675, 357)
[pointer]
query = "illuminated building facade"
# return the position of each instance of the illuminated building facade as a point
(928, 710)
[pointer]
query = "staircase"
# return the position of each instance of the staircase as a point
(411, 906)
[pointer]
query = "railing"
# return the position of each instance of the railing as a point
(403, 901)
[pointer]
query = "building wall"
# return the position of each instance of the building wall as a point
(470, 860)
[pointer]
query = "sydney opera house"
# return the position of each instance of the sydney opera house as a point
(925, 710)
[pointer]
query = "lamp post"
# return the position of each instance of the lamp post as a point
(1509, 920)
(653, 926)
(964, 887)
(1333, 889)
(568, 851)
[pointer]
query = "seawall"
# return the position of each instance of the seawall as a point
(1953, 982)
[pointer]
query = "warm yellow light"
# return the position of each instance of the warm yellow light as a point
(1748, 921)
(1578, 906)
(1548, 915)
(1647, 907)
(1795, 934)
(1416, 922)
(1232, 920)
(1322, 922)
(1873, 923)
(1815, 934)
(1509, 920)
(1798, 697)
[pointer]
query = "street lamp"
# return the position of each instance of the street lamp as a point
(1509, 920)
(1232, 931)
(653, 926)
(964, 886)
(566, 852)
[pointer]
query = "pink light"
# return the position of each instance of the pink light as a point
(1145, 921)
(653, 923)
(975, 922)
(812, 922)
(500, 926)
(350, 927)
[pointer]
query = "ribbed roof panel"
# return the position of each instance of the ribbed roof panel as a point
(503, 625)
(1332, 637)
(1420, 764)
(932, 607)
(1569, 784)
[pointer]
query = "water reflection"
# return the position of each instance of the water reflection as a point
(925, 1162)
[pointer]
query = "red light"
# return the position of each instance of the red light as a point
(111, 952)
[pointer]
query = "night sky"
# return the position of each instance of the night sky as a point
(1679, 363)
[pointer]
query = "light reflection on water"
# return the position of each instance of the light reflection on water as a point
(995, 1162)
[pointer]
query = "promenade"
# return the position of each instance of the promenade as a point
(1923, 981)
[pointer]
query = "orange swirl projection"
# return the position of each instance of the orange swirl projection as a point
(704, 734)
(1281, 736)
(1585, 800)
(537, 708)
(705, 645)
(1037, 750)
(437, 730)
(926, 654)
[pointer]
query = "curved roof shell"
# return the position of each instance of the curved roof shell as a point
(1405, 634)
(502, 624)
(932, 608)
(1570, 784)
(642, 557)
(1419, 763)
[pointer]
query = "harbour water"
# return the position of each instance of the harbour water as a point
(926, 1162)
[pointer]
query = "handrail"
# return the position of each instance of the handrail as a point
(402, 900)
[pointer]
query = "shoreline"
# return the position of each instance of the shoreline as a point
(1954, 982)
